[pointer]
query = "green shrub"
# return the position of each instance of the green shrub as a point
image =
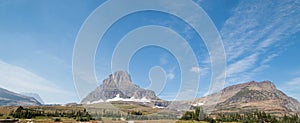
(57, 119)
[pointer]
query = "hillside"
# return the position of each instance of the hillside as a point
(250, 96)
(8, 98)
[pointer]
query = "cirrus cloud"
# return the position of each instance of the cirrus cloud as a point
(19, 80)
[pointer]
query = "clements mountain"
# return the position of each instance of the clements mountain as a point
(119, 84)
(246, 97)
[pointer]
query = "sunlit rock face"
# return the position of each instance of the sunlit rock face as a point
(119, 86)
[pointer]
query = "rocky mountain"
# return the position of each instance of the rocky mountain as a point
(119, 86)
(250, 96)
(245, 97)
(8, 98)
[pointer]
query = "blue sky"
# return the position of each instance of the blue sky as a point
(261, 41)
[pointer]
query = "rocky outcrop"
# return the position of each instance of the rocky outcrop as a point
(8, 98)
(119, 83)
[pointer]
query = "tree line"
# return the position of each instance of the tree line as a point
(131, 115)
(27, 113)
(249, 117)
(83, 115)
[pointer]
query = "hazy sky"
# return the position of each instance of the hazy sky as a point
(261, 41)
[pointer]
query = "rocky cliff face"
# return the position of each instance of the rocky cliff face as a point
(119, 83)
(251, 96)
(8, 98)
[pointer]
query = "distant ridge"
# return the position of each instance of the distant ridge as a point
(35, 96)
(8, 98)
(251, 96)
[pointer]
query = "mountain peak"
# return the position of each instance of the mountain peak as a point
(264, 85)
(119, 84)
(252, 85)
(118, 80)
(120, 76)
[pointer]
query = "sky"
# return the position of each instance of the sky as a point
(261, 41)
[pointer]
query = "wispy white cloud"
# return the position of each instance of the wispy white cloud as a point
(19, 80)
(292, 87)
(171, 73)
(294, 83)
(195, 69)
(199, 1)
(163, 59)
(269, 58)
(170, 76)
(252, 33)
(242, 65)
(202, 70)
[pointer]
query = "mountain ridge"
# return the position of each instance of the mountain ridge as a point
(9, 98)
(251, 96)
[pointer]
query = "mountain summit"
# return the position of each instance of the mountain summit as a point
(119, 86)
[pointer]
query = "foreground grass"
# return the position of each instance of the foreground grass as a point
(183, 121)
(191, 121)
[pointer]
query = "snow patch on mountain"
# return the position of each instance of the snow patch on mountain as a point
(118, 98)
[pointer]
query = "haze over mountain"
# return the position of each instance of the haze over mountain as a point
(35, 96)
(250, 96)
(8, 98)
